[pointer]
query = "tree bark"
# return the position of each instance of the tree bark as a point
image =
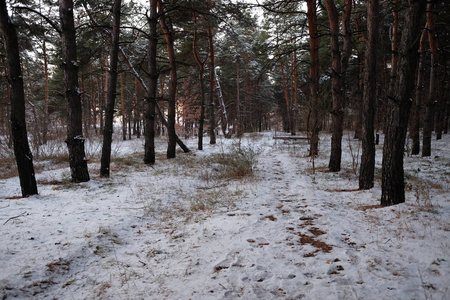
(150, 111)
(367, 168)
(238, 126)
(418, 94)
(75, 139)
(394, 45)
(294, 93)
(22, 152)
(314, 76)
(286, 96)
(122, 108)
(201, 67)
(392, 181)
(46, 94)
(337, 114)
(109, 112)
(171, 114)
(212, 107)
(432, 97)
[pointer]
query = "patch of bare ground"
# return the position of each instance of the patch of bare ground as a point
(271, 218)
(307, 239)
(316, 231)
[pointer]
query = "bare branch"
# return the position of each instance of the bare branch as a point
(15, 217)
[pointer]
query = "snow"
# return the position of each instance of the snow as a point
(176, 230)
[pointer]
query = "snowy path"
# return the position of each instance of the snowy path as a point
(271, 247)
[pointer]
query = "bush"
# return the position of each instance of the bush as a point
(239, 163)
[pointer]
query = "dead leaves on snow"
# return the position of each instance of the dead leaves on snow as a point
(306, 239)
(270, 217)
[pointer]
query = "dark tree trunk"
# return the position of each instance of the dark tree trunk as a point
(446, 105)
(432, 91)
(122, 108)
(45, 122)
(394, 44)
(149, 156)
(314, 77)
(212, 107)
(440, 112)
(239, 127)
(367, 168)
(109, 112)
(392, 182)
(337, 114)
(201, 67)
(288, 116)
(347, 44)
(22, 152)
(171, 114)
(75, 139)
(294, 94)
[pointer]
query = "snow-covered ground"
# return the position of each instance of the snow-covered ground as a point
(181, 229)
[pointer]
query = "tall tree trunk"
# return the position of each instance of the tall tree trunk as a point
(109, 112)
(171, 114)
(46, 94)
(93, 107)
(122, 108)
(22, 152)
(212, 66)
(360, 87)
(367, 168)
(285, 91)
(440, 108)
(201, 68)
(394, 45)
(286, 96)
(75, 139)
(105, 95)
(432, 97)
(149, 156)
(85, 107)
(314, 76)
(347, 44)
(294, 93)
(418, 94)
(136, 110)
(239, 127)
(392, 182)
(337, 114)
(446, 105)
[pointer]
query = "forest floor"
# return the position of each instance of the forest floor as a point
(200, 227)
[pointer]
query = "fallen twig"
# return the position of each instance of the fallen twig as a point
(211, 187)
(15, 217)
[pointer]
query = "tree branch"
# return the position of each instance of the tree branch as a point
(47, 19)
(15, 217)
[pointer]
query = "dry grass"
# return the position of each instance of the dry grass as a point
(8, 167)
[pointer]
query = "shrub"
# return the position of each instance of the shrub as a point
(239, 163)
